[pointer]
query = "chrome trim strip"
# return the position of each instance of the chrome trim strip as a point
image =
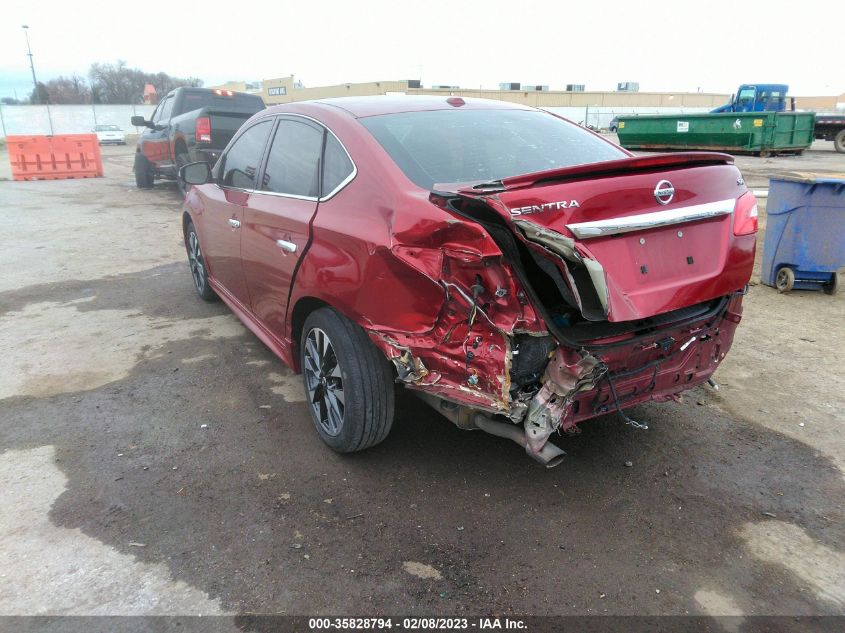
(642, 221)
(282, 195)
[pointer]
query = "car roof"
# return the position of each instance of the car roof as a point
(360, 107)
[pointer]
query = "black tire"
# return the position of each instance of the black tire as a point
(832, 286)
(181, 160)
(197, 265)
(839, 141)
(143, 172)
(348, 382)
(785, 279)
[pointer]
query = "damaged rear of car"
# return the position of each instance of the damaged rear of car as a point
(577, 279)
(519, 273)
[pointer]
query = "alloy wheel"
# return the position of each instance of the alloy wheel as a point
(195, 261)
(323, 381)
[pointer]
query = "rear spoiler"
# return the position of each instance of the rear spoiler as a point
(606, 168)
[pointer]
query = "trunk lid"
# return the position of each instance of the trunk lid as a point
(635, 237)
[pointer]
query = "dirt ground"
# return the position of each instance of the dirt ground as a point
(155, 458)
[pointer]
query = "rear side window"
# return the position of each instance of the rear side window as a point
(336, 165)
(293, 164)
(466, 146)
(240, 164)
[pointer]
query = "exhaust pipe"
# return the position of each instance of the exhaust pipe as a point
(549, 456)
(465, 418)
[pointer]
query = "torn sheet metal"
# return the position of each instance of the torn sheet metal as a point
(567, 374)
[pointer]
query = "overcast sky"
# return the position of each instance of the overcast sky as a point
(664, 45)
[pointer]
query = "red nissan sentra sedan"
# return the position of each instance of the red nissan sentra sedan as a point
(518, 272)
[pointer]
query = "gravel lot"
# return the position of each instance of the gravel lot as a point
(155, 458)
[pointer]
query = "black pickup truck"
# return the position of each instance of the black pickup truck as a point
(189, 124)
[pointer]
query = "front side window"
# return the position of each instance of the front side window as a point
(747, 95)
(240, 163)
(293, 164)
(466, 146)
(166, 109)
(157, 113)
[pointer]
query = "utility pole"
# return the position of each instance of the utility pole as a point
(31, 63)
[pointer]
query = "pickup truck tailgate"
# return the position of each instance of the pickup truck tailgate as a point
(636, 237)
(224, 125)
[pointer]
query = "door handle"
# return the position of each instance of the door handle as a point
(288, 247)
(235, 224)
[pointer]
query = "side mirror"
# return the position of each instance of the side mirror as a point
(733, 98)
(139, 121)
(197, 173)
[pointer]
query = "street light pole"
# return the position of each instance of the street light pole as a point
(31, 63)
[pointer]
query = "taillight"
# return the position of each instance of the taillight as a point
(204, 129)
(745, 214)
(224, 93)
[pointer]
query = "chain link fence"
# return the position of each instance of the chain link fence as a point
(68, 119)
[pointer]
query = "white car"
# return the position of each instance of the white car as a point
(110, 134)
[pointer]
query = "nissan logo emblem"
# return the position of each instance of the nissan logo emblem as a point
(664, 192)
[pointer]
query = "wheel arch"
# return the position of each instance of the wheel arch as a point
(179, 142)
(186, 220)
(306, 305)
(301, 310)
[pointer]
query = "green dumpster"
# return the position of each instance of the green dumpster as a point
(761, 133)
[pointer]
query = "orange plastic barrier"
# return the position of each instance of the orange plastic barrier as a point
(55, 157)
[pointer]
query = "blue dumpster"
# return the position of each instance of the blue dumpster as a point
(805, 232)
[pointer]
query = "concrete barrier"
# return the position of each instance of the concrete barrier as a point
(58, 157)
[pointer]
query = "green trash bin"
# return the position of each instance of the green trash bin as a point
(761, 133)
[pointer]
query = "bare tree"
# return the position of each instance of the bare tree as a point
(39, 94)
(73, 89)
(164, 83)
(116, 83)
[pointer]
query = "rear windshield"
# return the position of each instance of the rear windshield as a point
(238, 102)
(107, 128)
(464, 146)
